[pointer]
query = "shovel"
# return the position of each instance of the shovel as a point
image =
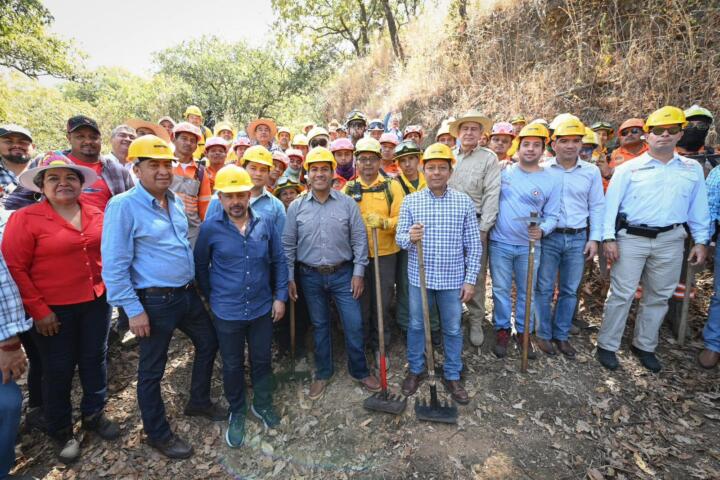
(292, 374)
(533, 220)
(432, 411)
(382, 401)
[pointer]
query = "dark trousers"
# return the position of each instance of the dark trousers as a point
(368, 300)
(35, 371)
(123, 322)
(10, 407)
(81, 342)
(181, 309)
(232, 335)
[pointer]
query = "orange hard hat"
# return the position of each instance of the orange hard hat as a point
(632, 122)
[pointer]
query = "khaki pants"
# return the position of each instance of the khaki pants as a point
(476, 305)
(654, 262)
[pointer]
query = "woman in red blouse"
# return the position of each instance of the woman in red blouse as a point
(52, 249)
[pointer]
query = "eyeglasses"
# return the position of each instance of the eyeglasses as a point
(587, 150)
(699, 124)
(628, 131)
(674, 130)
(367, 159)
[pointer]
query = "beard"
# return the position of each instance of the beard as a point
(17, 159)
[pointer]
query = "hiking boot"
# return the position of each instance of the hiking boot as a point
(68, 446)
(502, 337)
(477, 336)
(235, 432)
(607, 359)
(371, 383)
(707, 359)
(412, 382)
(266, 415)
(456, 391)
(436, 338)
(519, 342)
(213, 412)
(103, 426)
(317, 388)
(174, 447)
(545, 346)
(565, 348)
(648, 359)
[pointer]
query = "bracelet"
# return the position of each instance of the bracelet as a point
(11, 347)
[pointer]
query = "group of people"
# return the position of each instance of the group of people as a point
(220, 234)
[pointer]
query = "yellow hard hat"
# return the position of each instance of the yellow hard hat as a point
(299, 139)
(569, 128)
(535, 130)
(319, 154)
(149, 147)
(443, 130)
(438, 151)
(562, 118)
(220, 126)
(233, 179)
(518, 119)
(283, 130)
(192, 110)
(667, 115)
(368, 144)
(316, 132)
(590, 137)
(258, 154)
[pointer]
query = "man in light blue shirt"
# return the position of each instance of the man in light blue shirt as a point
(148, 270)
(525, 188)
(565, 250)
(710, 355)
(651, 196)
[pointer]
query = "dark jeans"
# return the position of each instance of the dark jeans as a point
(35, 371)
(368, 300)
(318, 289)
(10, 406)
(231, 338)
(81, 342)
(123, 322)
(181, 309)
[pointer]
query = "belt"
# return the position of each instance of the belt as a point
(647, 232)
(325, 269)
(569, 231)
(143, 292)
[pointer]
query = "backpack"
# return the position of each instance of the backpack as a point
(355, 190)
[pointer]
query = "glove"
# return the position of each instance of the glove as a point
(374, 220)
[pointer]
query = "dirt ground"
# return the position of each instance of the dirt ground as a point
(561, 420)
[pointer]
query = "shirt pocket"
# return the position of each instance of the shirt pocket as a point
(258, 249)
(683, 183)
(645, 183)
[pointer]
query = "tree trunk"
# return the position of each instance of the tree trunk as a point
(364, 25)
(392, 30)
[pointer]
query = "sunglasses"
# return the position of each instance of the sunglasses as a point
(699, 124)
(674, 130)
(628, 131)
(321, 142)
(587, 150)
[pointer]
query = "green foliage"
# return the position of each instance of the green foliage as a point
(27, 47)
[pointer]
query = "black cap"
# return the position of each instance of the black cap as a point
(11, 128)
(79, 121)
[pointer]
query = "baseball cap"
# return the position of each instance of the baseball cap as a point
(11, 128)
(79, 121)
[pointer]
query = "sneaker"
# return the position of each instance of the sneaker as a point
(103, 426)
(607, 359)
(531, 350)
(648, 359)
(317, 388)
(502, 337)
(68, 446)
(174, 447)
(235, 433)
(266, 415)
(213, 412)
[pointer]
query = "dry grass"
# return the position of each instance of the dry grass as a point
(597, 59)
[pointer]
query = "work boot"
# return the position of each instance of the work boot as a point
(235, 432)
(502, 337)
(477, 336)
(103, 426)
(371, 383)
(68, 447)
(436, 338)
(174, 447)
(317, 388)
(412, 383)
(565, 348)
(35, 419)
(708, 358)
(213, 412)
(648, 359)
(574, 329)
(545, 346)
(456, 390)
(607, 359)
(266, 415)
(519, 342)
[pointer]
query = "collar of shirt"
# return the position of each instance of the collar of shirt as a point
(646, 158)
(421, 181)
(225, 218)
(435, 197)
(552, 162)
(150, 199)
(333, 195)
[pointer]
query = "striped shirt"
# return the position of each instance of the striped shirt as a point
(451, 241)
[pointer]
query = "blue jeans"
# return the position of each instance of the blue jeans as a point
(564, 253)
(711, 332)
(318, 288)
(448, 304)
(507, 261)
(231, 338)
(82, 342)
(181, 309)
(10, 408)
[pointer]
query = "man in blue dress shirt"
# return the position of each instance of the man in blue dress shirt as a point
(241, 269)
(148, 270)
(648, 201)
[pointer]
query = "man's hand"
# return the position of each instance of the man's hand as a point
(535, 232)
(612, 254)
(292, 290)
(466, 292)
(13, 363)
(357, 285)
(591, 249)
(373, 220)
(697, 255)
(278, 310)
(48, 326)
(484, 238)
(140, 325)
(416, 232)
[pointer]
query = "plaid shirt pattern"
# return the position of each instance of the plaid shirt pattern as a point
(12, 313)
(6, 176)
(451, 242)
(713, 193)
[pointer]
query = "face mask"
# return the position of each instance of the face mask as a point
(692, 139)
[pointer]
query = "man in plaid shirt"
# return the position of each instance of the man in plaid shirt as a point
(445, 220)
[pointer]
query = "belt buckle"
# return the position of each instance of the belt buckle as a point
(325, 269)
